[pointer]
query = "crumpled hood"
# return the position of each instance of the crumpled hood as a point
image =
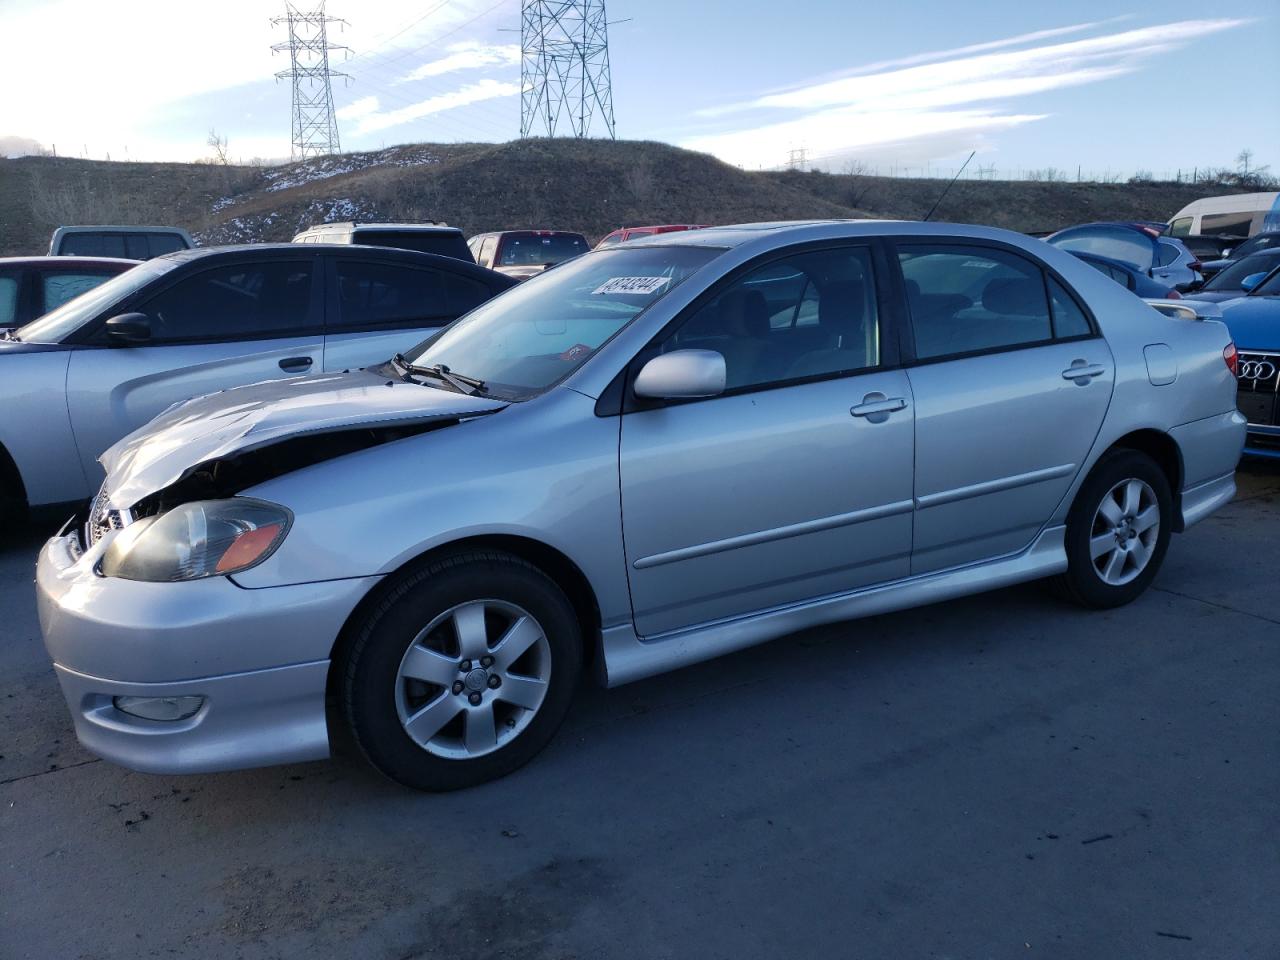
(245, 418)
(1254, 322)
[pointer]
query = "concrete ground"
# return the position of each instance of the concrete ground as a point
(1002, 776)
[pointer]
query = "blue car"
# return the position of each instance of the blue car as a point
(1238, 279)
(1254, 322)
(1127, 275)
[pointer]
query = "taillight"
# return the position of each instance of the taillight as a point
(1173, 295)
(1230, 355)
(1196, 265)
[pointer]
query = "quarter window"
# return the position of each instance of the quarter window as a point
(971, 299)
(811, 314)
(1068, 319)
(240, 302)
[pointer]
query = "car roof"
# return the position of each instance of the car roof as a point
(735, 234)
(301, 251)
(343, 226)
(125, 227)
(71, 261)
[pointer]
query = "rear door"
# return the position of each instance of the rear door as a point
(380, 307)
(1011, 382)
(217, 327)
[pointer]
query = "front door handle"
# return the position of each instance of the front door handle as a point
(1082, 372)
(876, 407)
(295, 364)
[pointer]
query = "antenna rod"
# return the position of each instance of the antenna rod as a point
(947, 188)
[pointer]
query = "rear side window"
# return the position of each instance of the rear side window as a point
(385, 294)
(93, 245)
(1168, 254)
(58, 288)
(239, 302)
(161, 243)
(972, 299)
(8, 298)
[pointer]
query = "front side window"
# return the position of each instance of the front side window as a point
(972, 299)
(539, 332)
(1180, 227)
(812, 314)
(239, 302)
(489, 244)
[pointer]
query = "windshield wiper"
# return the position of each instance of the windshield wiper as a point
(460, 382)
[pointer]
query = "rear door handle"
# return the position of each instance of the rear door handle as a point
(876, 407)
(295, 364)
(1082, 372)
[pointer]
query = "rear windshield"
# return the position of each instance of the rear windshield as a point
(423, 241)
(111, 243)
(533, 250)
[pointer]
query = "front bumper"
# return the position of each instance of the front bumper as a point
(1263, 441)
(259, 658)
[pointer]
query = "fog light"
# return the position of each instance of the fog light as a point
(159, 708)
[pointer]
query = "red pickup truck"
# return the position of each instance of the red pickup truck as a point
(630, 233)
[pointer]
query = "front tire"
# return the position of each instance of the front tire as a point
(1118, 531)
(463, 671)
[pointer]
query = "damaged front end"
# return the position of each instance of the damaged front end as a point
(216, 447)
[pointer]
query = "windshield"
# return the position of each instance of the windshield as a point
(536, 334)
(1229, 278)
(56, 326)
(532, 250)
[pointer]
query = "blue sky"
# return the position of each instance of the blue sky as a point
(1102, 86)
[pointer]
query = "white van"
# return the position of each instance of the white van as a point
(1237, 215)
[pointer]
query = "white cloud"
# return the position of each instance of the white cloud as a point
(487, 89)
(357, 108)
(897, 104)
(468, 55)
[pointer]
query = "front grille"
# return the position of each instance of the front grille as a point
(1258, 387)
(102, 517)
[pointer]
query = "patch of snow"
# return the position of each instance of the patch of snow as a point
(322, 168)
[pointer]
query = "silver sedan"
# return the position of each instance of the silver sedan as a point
(652, 455)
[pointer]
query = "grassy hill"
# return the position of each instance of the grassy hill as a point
(587, 185)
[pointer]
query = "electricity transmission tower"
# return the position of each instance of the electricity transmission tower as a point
(315, 129)
(564, 67)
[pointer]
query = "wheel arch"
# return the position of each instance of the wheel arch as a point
(566, 574)
(1164, 450)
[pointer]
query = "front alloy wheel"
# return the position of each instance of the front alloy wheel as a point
(461, 671)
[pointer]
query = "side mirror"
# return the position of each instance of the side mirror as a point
(682, 374)
(128, 328)
(1252, 280)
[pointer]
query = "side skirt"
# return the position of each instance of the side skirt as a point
(627, 657)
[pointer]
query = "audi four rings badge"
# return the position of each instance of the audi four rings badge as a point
(1257, 370)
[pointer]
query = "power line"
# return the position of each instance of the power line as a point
(564, 66)
(315, 128)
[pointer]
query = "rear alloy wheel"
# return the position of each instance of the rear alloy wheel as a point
(463, 671)
(1118, 530)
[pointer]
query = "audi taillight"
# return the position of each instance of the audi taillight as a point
(1231, 356)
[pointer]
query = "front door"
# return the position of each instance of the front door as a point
(1011, 385)
(222, 327)
(794, 484)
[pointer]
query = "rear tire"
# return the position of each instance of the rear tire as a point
(462, 672)
(1118, 531)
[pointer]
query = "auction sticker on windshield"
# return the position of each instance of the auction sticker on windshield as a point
(639, 286)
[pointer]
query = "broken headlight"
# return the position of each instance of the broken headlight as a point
(209, 538)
